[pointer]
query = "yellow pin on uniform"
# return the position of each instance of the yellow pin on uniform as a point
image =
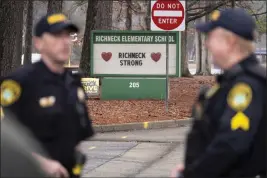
(10, 92)
(47, 101)
(239, 98)
(80, 94)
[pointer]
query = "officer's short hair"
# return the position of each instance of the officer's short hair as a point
(244, 45)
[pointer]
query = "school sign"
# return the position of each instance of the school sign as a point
(132, 62)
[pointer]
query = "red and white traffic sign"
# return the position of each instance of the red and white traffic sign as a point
(168, 15)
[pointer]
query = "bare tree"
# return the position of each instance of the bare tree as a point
(19, 26)
(54, 6)
(128, 21)
(104, 15)
(10, 14)
(198, 9)
(198, 50)
(89, 26)
(148, 14)
(28, 34)
(203, 63)
(121, 16)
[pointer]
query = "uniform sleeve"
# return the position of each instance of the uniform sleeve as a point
(238, 125)
(11, 93)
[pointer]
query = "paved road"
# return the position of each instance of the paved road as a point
(143, 153)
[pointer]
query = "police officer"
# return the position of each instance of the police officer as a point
(49, 100)
(231, 114)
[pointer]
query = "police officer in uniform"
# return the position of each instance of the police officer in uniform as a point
(229, 119)
(49, 100)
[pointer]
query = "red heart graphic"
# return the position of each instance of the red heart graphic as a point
(106, 56)
(156, 56)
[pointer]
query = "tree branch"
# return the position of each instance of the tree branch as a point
(258, 14)
(198, 8)
(192, 4)
(205, 11)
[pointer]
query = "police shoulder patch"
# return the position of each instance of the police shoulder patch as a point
(10, 92)
(239, 97)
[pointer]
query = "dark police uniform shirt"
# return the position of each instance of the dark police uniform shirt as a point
(236, 111)
(52, 106)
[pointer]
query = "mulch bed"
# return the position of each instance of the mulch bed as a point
(183, 92)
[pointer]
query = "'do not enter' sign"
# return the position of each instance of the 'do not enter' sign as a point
(168, 15)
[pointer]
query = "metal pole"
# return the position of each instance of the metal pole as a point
(167, 72)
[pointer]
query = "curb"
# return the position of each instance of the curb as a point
(142, 125)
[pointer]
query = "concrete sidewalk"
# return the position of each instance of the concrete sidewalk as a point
(142, 125)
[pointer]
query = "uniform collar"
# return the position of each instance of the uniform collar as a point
(250, 60)
(237, 69)
(67, 76)
(47, 72)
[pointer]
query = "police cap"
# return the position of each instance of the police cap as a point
(54, 23)
(236, 20)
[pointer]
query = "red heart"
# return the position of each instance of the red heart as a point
(106, 56)
(156, 56)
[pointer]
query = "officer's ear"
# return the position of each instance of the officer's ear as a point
(38, 43)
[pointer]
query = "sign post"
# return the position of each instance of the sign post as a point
(167, 15)
(167, 72)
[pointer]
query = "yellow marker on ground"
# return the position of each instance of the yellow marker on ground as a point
(1, 113)
(92, 147)
(124, 137)
(77, 170)
(145, 125)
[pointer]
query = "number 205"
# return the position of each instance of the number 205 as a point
(134, 85)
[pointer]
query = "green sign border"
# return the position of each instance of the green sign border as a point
(178, 53)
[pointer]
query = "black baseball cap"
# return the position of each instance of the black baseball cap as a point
(54, 23)
(236, 20)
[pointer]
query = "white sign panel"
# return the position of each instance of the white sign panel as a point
(133, 54)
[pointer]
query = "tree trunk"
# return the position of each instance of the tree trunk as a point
(54, 6)
(184, 61)
(203, 55)
(233, 3)
(198, 51)
(28, 34)
(90, 25)
(148, 14)
(19, 32)
(104, 15)
(128, 22)
(205, 64)
(9, 16)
